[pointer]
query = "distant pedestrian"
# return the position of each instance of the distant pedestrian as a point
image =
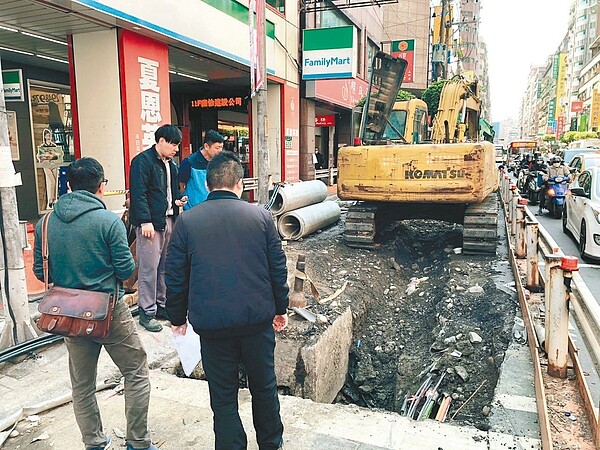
(227, 275)
(88, 249)
(318, 159)
(154, 205)
(192, 172)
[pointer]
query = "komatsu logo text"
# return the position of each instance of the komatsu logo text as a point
(416, 174)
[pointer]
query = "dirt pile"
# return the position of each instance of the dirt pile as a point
(418, 309)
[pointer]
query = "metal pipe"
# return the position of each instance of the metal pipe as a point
(304, 221)
(520, 249)
(298, 195)
(532, 281)
(557, 318)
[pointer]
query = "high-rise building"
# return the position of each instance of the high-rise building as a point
(409, 21)
(468, 42)
(529, 106)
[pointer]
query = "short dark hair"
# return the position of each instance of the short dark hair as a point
(170, 133)
(212, 136)
(85, 174)
(223, 171)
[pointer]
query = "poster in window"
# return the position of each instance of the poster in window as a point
(13, 137)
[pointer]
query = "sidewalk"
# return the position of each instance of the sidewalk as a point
(180, 415)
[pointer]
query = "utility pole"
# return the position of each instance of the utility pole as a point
(13, 288)
(264, 165)
(258, 81)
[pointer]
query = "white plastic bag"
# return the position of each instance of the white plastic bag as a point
(188, 349)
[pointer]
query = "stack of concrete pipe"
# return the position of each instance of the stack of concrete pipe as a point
(301, 209)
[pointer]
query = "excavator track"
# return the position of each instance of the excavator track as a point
(359, 228)
(480, 233)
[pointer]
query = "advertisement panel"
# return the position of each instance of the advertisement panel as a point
(145, 91)
(560, 126)
(346, 93)
(551, 110)
(595, 119)
(576, 106)
(561, 83)
(329, 53)
(405, 49)
(325, 121)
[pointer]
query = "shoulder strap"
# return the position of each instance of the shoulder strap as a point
(45, 247)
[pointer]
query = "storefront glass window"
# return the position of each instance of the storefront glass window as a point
(278, 5)
(333, 18)
(52, 139)
(371, 50)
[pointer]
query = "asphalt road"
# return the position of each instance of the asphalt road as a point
(589, 270)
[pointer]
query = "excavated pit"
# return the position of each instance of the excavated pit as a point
(375, 342)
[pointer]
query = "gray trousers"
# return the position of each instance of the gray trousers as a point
(125, 348)
(151, 256)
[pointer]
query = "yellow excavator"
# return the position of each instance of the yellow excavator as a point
(393, 175)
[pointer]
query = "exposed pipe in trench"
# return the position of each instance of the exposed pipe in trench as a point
(304, 221)
(298, 195)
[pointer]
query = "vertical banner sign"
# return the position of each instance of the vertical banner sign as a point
(253, 44)
(560, 126)
(551, 110)
(256, 20)
(405, 49)
(555, 67)
(144, 65)
(595, 119)
(561, 84)
(291, 123)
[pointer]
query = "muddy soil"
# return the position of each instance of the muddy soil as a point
(452, 319)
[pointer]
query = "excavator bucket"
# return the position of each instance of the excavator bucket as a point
(387, 73)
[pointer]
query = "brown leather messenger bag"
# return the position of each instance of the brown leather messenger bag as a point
(73, 312)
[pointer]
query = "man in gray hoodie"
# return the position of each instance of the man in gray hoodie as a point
(87, 249)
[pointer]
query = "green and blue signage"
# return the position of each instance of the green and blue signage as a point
(329, 53)
(12, 81)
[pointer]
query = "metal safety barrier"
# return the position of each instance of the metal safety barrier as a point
(565, 293)
(328, 174)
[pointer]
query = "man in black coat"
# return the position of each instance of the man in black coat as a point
(154, 205)
(227, 275)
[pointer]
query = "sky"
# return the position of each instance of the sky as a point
(519, 34)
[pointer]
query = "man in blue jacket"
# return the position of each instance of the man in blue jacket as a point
(154, 205)
(87, 249)
(227, 275)
(192, 172)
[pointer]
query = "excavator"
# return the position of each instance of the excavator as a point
(393, 175)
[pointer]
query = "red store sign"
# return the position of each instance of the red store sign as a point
(345, 92)
(325, 121)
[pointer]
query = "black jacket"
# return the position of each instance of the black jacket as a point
(226, 268)
(148, 189)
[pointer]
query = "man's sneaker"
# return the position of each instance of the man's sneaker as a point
(131, 447)
(149, 322)
(102, 447)
(161, 313)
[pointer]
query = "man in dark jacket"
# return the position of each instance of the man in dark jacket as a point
(87, 249)
(154, 204)
(227, 275)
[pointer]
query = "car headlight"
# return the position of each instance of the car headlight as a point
(596, 214)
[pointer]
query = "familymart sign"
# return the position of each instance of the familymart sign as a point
(329, 53)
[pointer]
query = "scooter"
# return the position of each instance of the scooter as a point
(532, 186)
(555, 195)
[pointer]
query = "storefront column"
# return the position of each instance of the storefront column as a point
(307, 139)
(98, 98)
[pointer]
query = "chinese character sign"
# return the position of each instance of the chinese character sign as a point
(405, 49)
(145, 90)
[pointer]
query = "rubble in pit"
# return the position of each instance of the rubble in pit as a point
(451, 319)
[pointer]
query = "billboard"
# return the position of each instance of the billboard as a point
(329, 53)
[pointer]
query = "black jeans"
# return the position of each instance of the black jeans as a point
(221, 358)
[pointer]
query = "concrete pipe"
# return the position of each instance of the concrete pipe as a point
(304, 221)
(298, 195)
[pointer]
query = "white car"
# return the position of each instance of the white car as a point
(581, 216)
